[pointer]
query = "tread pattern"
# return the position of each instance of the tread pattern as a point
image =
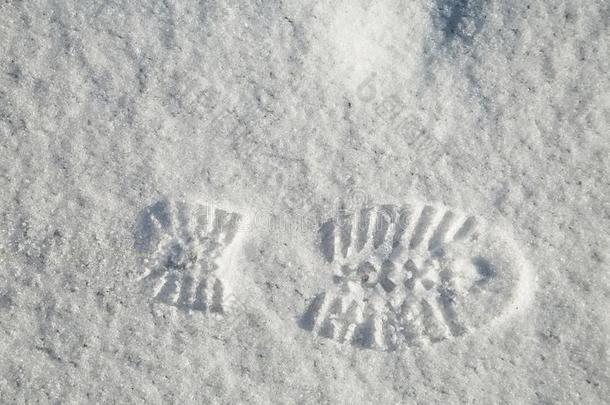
(183, 246)
(403, 276)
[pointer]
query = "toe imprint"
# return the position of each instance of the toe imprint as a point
(414, 274)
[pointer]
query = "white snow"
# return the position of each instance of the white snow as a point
(294, 115)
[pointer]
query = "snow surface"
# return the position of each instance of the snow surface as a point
(123, 122)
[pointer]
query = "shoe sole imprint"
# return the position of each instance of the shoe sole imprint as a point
(186, 250)
(415, 274)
